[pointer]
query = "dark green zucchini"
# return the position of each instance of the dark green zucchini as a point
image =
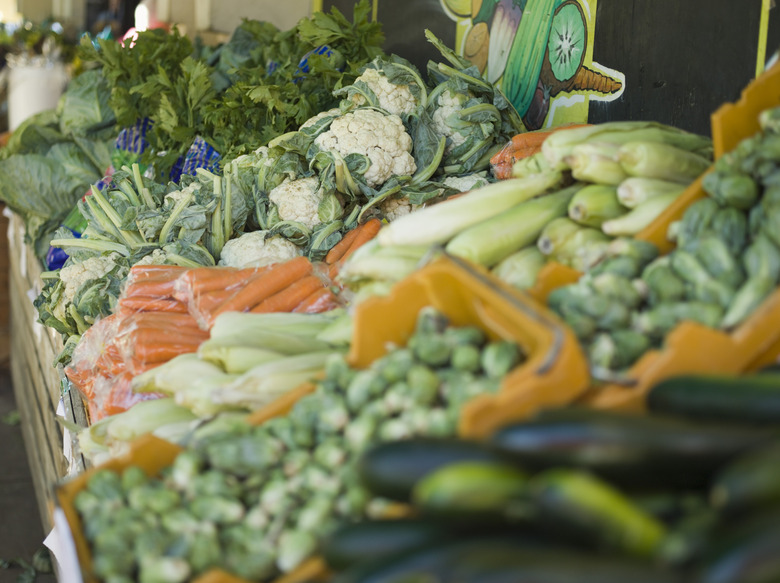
(751, 399)
(392, 469)
(750, 482)
(375, 539)
(748, 552)
(630, 451)
(502, 560)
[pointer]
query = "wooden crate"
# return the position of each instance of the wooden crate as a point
(37, 384)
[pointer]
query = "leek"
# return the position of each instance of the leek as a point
(634, 191)
(489, 242)
(440, 222)
(559, 145)
(555, 234)
(595, 204)
(640, 217)
(653, 160)
(521, 269)
(597, 163)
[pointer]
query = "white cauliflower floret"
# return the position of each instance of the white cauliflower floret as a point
(254, 250)
(298, 200)
(77, 274)
(382, 138)
(449, 104)
(312, 120)
(396, 99)
(466, 183)
(156, 257)
(395, 208)
(176, 195)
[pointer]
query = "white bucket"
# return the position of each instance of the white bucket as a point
(32, 90)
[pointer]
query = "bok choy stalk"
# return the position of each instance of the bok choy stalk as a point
(440, 222)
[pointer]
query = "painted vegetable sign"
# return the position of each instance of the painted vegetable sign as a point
(540, 52)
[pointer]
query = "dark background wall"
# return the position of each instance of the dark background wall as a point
(681, 58)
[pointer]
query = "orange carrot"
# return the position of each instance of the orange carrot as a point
(320, 301)
(338, 250)
(278, 277)
(157, 289)
(212, 300)
(147, 304)
(367, 231)
(159, 353)
(289, 297)
(521, 146)
(159, 273)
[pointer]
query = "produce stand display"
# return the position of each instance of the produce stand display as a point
(38, 386)
(267, 368)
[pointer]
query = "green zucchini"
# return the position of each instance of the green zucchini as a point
(631, 451)
(582, 506)
(750, 482)
(376, 539)
(392, 469)
(471, 489)
(502, 560)
(751, 399)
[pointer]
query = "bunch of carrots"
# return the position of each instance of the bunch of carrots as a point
(521, 146)
(166, 310)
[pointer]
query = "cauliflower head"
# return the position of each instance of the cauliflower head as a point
(254, 250)
(156, 257)
(382, 138)
(298, 200)
(395, 99)
(323, 114)
(77, 274)
(466, 183)
(395, 208)
(449, 104)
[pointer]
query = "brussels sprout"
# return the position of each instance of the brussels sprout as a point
(214, 483)
(257, 518)
(163, 570)
(154, 497)
(430, 321)
(467, 357)
(364, 386)
(107, 485)
(219, 509)
(465, 336)
(295, 461)
(152, 543)
(431, 349)
(245, 455)
(251, 564)
(281, 428)
(315, 512)
(422, 381)
(133, 477)
(398, 398)
(352, 502)
(115, 564)
(395, 430)
(273, 494)
(294, 547)
(186, 466)
(205, 551)
(499, 357)
(360, 432)
(330, 453)
(440, 423)
(180, 520)
(88, 503)
(395, 366)
(334, 414)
